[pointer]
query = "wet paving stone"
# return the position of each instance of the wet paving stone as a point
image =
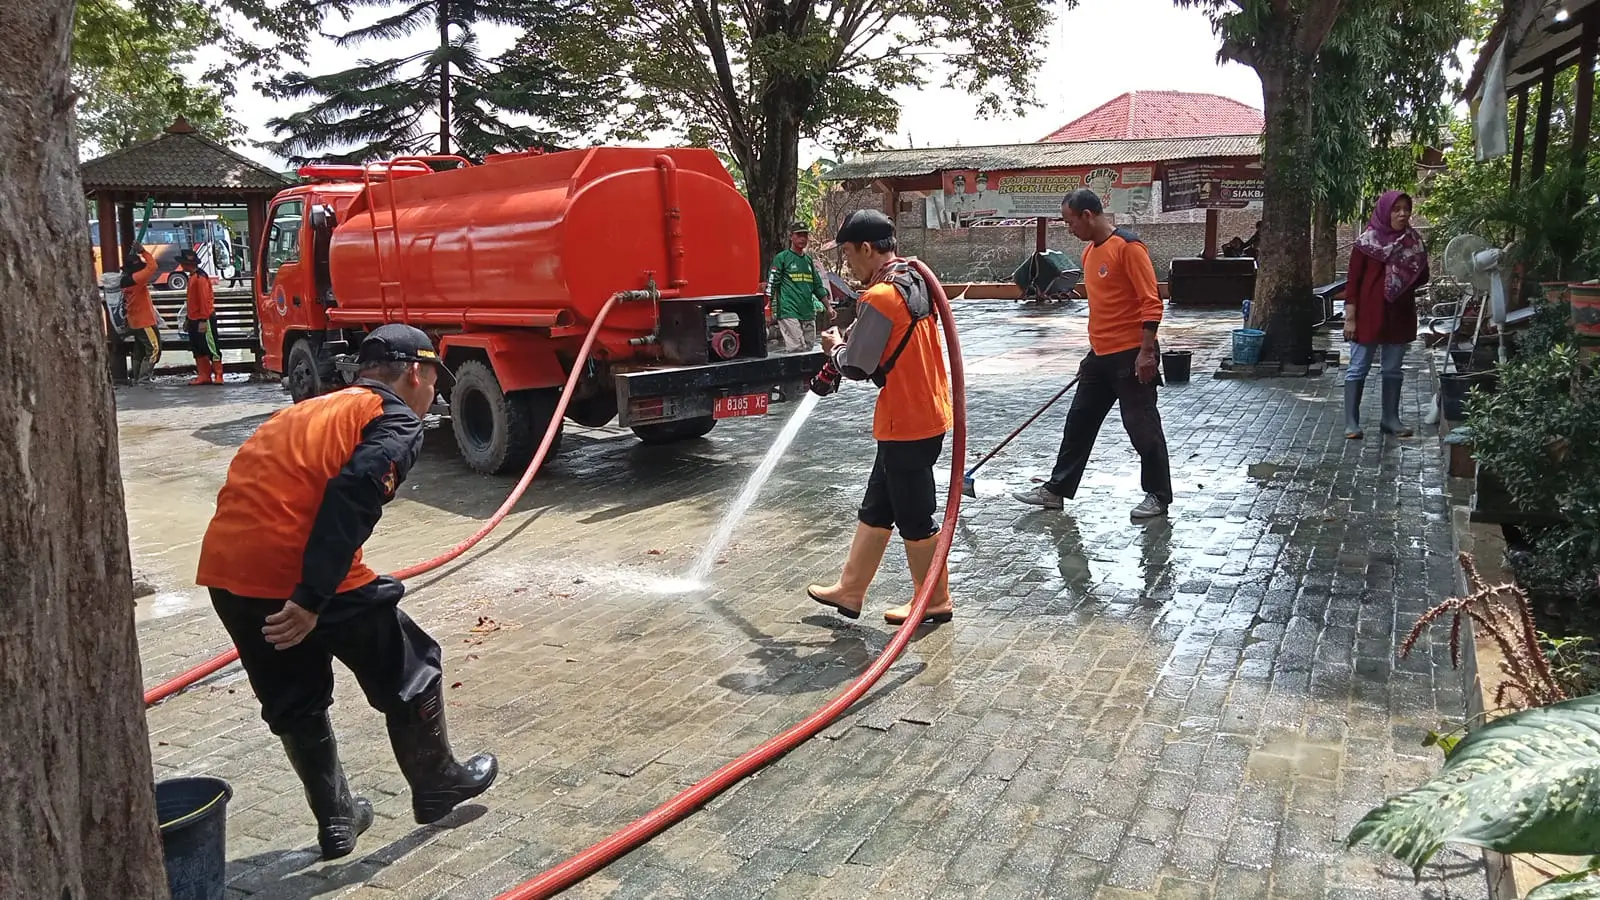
(1200, 707)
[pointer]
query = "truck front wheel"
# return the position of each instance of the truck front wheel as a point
(673, 432)
(306, 374)
(498, 432)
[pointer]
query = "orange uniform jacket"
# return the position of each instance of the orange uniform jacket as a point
(914, 400)
(136, 302)
(1121, 283)
(304, 493)
(200, 298)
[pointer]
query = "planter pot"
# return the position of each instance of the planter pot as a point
(1585, 299)
(1453, 390)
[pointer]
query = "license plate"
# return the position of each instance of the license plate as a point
(743, 405)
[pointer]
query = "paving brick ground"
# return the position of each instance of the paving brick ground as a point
(1199, 708)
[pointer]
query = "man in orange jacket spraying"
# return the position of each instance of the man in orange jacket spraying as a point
(140, 309)
(200, 315)
(282, 559)
(895, 343)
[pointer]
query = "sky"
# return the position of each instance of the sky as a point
(1095, 52)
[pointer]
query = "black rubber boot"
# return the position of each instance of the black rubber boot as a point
(1352, 408)
(438, 783)
(341, 818)
(1391, 408)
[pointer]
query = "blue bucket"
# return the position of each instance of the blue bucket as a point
(193, 813)
(1247, 346)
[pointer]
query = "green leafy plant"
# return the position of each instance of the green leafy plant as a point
(1525, 783)
(1574, 662)
(1582, 885)
(1539, 434)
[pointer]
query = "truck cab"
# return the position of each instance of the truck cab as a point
(505, 265)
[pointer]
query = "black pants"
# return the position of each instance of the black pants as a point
(146, 346)
(203, 338)
(1104, 381)
(394, 660)
(900, 491)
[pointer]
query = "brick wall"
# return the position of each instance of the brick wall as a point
(993, 253)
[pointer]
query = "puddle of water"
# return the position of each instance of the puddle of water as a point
(1263, 471)
(162, 605)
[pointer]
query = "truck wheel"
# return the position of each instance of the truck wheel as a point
(673, 432)
(306, 374)
(497, 432)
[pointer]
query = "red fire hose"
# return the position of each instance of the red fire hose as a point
(166, 689)
(602, 854)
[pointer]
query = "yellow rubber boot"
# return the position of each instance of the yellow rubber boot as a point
(919, 558)
(849, 593)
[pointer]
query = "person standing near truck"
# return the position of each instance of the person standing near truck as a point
(282, 561)
(798, 292)
(895, 344)
(1122, 367)
(200, 315)
(140, 311)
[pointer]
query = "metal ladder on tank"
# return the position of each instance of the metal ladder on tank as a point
(386, 169)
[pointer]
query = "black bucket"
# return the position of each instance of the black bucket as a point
(1175, 366)
(193, 813)
(1453, 390)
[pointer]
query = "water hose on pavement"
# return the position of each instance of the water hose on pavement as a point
(602, 854)
(168, 688)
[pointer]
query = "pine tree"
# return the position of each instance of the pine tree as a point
(445, 99)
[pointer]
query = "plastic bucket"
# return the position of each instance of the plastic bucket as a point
(1175, 366)
(1585, 299)
(193, 813)
(1247, 346)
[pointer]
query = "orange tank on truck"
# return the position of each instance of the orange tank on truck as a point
(507, 265)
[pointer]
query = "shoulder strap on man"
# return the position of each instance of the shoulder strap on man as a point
(907, 283)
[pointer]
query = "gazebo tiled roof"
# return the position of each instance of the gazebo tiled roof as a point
(180, 161)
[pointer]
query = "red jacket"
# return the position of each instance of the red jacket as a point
(1377, 320)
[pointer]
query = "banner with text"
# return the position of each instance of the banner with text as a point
(1210, 186)
(1013, 197)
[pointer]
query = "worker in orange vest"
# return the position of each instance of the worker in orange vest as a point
(282, 560)
(140, 309)
(200, 315)
(895, 343)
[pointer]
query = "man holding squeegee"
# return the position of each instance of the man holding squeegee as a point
(1123, 365)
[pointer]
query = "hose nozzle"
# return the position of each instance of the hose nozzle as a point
(826, 381)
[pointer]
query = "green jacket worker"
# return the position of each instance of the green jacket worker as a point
(798, 293)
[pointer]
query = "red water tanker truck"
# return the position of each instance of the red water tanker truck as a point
(506, 264)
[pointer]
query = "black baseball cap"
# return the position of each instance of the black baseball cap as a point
(863, 227)
(397, 342)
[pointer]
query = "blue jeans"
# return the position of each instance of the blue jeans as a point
(1391, 355)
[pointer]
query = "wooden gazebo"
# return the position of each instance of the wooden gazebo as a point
(181, 166)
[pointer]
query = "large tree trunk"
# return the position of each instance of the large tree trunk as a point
(1282, 305)
(772, 180)
(1324, 245)
(77, 816)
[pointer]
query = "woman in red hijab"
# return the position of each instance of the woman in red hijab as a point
(1387, 265)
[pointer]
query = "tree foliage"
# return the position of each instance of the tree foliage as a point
(1379, 96)
(127, 68)
(446, 97)
(754, 79)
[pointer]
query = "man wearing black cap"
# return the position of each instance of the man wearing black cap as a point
(798, 292)
(282, 560)
(895, 344)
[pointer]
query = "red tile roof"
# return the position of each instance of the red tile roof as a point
(1157, 115)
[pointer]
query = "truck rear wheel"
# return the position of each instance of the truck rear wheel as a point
(496, 431)
(673, 432)
(307, 374)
